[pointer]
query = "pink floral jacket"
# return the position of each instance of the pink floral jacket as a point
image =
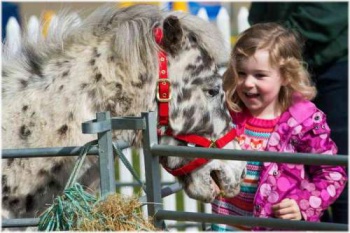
(302, 128)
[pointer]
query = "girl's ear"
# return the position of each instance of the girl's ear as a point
(285, 82)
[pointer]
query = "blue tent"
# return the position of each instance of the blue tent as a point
(8, 9)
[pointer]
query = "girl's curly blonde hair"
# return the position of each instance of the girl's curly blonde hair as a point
(285, 52)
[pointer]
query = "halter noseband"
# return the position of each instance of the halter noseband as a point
(163, 97)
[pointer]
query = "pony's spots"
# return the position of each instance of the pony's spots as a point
(174, 114)
(111, 59)
(65, 73)
(24, 83)
(61, 88)
(24, 108)
(42, 173)
(137, 84)
(206, 118)
(142, 81)
(98, 77)
(188, 125)
(29, 202)
(34, 61)
(4, 179)
(192, 38)
(56, 168)
(119, 87)
(4, 73)
(14, 203)
(197, 81)
(96, 53)
(62, 130)
(92, 94)
(5, 189)
(186, 94)
(190, 67)
(83, 86)
(24, 132)
(189, 112)
(92, 62)
(126, 103)
(10, 162)
(199, 70)
(208, 61)
(40, 190)
(71, 116)
(53, 184)
(5, 198)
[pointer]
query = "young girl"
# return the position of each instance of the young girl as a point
(269, 92)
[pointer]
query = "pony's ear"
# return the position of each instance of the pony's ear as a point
(172, 34)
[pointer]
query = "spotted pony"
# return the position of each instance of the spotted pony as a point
(107, 61)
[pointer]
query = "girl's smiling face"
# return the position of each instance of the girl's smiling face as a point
(259, 85)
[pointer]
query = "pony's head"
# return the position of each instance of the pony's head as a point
(195, 50)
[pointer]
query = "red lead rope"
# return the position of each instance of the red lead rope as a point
(203, 142)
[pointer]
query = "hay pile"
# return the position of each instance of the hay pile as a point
(119, 213)
(80, 211)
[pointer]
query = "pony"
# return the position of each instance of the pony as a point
(109, 61)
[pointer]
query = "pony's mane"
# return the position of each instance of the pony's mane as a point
(131, 29)
(207, 34)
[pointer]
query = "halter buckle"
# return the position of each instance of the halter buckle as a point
(163, 82)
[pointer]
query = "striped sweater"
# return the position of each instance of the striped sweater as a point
(255, 137)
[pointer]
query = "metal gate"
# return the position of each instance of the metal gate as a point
(103, 126)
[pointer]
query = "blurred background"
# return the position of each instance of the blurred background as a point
(330, 76)
(232, 15)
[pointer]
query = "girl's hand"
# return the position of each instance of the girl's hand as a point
(287, 209)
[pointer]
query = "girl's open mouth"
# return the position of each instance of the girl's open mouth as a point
(251, 95)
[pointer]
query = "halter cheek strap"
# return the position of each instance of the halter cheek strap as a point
(163, 83)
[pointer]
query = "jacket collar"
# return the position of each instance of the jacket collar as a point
(301, 109)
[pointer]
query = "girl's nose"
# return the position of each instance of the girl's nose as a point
(248, 81)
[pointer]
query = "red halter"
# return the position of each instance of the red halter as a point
(163, 98)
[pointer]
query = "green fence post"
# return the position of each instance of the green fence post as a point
(106, 157)
(153, 183)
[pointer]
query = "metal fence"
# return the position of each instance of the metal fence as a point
(103, 126)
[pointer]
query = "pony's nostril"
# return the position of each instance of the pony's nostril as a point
(215, 176)
(243, 174)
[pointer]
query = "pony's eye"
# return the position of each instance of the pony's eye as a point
(213, 92)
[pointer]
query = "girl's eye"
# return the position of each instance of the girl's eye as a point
(241, 74)
(260, 76)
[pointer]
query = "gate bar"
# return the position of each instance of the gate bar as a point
(53, 151)
(245, 155)
(250, 221)
(152, 168)
(19, 222)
